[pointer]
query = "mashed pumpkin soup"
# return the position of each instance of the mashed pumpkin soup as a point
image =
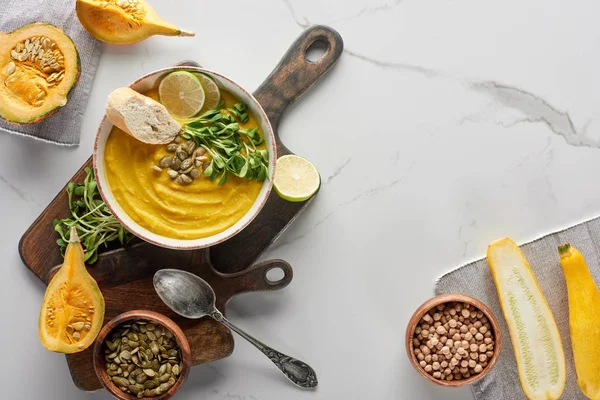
(161, 204)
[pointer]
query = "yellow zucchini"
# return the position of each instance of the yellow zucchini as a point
(584, 319)
(533, 332)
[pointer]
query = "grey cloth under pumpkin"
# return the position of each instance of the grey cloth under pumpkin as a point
(475, 279)
(63, 128)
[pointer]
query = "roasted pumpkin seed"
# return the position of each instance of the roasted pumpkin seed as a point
(185, 164)
(141, 358)
(164, 162)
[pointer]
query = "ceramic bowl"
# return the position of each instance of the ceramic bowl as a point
(146, 83)
(99, 362)
(451, 298)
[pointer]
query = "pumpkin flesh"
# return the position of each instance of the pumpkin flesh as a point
(123, 21)
(39, 66)
(72, 312)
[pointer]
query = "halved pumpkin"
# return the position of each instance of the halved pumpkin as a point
(73, 308)
(123, 21)
(39, 67)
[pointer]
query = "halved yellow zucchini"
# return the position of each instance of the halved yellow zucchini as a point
(533, 331)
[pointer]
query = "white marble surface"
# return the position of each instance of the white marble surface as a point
(445, 125)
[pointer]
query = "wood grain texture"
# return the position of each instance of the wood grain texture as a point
(125, 274)
(289, 80)
(125, 279)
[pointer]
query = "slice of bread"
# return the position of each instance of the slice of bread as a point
(140, 116)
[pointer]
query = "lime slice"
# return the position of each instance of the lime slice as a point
(211, 92)
(182, 94)
(296, 179)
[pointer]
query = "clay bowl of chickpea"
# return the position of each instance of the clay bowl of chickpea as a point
(453, 340)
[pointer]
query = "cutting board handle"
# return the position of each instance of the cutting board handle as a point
(295, 73)
(253, 279)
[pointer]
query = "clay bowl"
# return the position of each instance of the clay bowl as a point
(451, 298)
(150, 316)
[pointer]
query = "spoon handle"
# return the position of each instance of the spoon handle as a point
(300, 373)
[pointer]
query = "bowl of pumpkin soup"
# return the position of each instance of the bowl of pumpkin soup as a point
(205, 185)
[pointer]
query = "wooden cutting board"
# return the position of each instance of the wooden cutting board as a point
(125, 274)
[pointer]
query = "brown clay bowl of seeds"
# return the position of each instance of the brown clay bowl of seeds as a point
(453, 340)
(141, 355)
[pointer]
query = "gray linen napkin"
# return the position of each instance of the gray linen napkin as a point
(475, 279)
(64, 127)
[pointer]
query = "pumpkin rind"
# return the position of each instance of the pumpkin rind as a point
(26, 95)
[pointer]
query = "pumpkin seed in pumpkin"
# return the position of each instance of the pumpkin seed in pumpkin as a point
(10, 68)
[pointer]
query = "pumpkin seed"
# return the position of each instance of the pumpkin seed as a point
(195, 174)
(162, 369)
(141, 378)
(176, 164)
(150, 385)
(200, 151)
(183, 179)
(163, 378)
(135, 389)
(171, 148)
(120, 381)
(151, 368)
(187, 171)
(185, 164)
(10, 68)
(164, 387)
(173, 353)
(181, 154)
(78, 326)
(191, 147)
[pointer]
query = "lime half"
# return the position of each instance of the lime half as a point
(212, 93)
(182, 94)
(296, 179)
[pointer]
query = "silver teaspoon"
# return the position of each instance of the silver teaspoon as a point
(190, 296)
